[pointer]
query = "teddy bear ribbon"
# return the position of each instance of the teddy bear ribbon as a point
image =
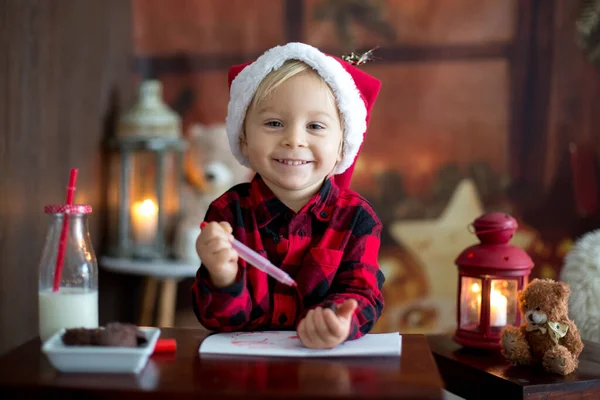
(556, 330)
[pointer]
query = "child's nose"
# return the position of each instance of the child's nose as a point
(295, 137)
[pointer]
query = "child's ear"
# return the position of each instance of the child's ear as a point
(340, 153)
(244, 144)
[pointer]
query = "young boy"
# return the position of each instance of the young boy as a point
(297, 117)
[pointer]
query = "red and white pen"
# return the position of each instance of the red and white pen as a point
(255, 259)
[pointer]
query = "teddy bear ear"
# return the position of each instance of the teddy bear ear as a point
(562, 289)
(196, 130)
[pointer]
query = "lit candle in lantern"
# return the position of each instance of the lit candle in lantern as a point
(144, 217)
(498, 305)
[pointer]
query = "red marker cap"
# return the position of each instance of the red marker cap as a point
(165, 346)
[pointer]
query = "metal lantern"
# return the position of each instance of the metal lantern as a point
(490, 275)
(146, 177)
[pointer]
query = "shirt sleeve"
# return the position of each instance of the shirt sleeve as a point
(221, 309)
(359, 276)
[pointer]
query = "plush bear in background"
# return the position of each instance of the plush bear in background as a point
(547, 336)
(210, 170)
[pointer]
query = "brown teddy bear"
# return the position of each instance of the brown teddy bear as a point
(211, 169)
(547, 335)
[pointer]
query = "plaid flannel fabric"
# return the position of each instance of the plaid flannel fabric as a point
(329, 248)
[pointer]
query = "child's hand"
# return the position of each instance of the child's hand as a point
(214, 249)
(325, 329)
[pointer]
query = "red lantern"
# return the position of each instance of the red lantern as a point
(490, 274)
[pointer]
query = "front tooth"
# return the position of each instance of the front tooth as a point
(290, 162)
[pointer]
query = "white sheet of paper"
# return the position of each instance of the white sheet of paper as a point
(287, 344)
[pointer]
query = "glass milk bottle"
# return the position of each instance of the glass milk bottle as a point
(70, 299)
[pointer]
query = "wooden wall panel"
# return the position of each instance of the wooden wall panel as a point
(431, 114)
(207, 26)
(575, 91)
(66, 68)
(419, 22)
(200, 96)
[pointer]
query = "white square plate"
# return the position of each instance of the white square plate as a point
(99, 359)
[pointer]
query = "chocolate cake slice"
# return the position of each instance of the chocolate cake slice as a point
(115, 334)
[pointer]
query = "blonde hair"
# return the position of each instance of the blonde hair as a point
(277, 77)
(287, 71)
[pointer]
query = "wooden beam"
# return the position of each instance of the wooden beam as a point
(154, 66)
(531, 73)
(293, 20)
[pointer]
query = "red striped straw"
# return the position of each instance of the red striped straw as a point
(62, 246)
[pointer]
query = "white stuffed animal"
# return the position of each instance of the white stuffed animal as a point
(581, 270)
(211, 169)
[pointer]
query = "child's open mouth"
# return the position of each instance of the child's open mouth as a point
(292, 162)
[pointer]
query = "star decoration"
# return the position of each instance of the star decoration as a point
(435, 244)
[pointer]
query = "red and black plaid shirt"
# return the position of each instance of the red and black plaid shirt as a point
(330, 248)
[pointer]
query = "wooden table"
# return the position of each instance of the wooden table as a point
(26, 373)
(478, 374)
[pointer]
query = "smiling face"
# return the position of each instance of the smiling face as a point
(293, 136)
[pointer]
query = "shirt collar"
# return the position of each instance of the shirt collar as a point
(268, 206)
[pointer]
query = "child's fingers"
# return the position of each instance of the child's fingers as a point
(217, 244)
(216, 228)
(224, 256)
(310, 329)
(211, 228)
(300, 329)
(218, 232)
(302, 333)
(226, 227)
(320, 326)
(207, 248)
(346, 309)
(233, 256)
(333, 323)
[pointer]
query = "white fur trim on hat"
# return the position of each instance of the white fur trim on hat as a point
(350, 104)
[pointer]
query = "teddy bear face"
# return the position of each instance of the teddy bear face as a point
(210, 155)
(544, 300)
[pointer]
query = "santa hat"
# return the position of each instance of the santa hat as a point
(355, 92)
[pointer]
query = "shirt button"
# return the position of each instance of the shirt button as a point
(282, 319)
(324, 214)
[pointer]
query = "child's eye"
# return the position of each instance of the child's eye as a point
(274, 124)
(315, 126)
